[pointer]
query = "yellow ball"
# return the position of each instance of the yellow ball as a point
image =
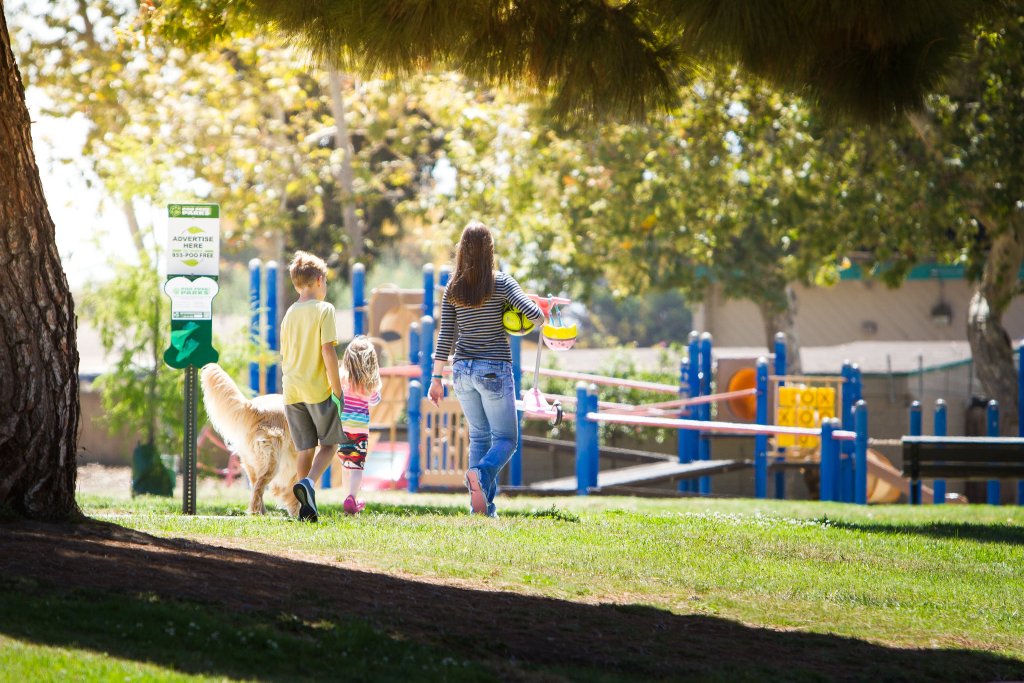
(515, 322)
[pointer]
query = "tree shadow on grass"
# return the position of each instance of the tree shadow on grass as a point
(985, 533)
(226, 612)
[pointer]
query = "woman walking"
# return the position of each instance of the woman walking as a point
(473, 305)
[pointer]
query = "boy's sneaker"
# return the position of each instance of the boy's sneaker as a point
(477, 500)
(353, 506)
(307, 501)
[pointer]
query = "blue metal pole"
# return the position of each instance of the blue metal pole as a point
(829, 457)
(992, 422)
(594, 435)
(414, 344)
(683, 435)
(255, 333)
(582, 445)
(426, 366)
(427, 348)
(858, 383)
(761, 440)
(846, 419)
(692, 435)
(428, 289)
(781, 362)
(915, 430)
(445, 275)
(858, 394)
(705, 409)
(940, 430)
(359, 298)
(415, 399)
(1020, 412)
(515, 472)
(273, 336)
(780, 353)
(860, 471)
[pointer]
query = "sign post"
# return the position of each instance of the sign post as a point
(193, 266)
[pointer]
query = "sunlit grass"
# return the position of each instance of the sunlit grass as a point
(942, 579)
(929, 576)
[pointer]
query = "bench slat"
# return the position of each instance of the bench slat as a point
(944, 454)
(984, 441)
(951, 457)
(954, 470)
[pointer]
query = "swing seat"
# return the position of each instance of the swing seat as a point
(559, 337)
(535, 405)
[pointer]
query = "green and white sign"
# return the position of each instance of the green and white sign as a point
(191, 298)
(193, 239)
(193, 264)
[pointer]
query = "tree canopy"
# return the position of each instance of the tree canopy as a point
(625, 58)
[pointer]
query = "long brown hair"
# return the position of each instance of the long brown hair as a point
(472, 282)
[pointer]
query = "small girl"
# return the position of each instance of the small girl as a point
(360, 381)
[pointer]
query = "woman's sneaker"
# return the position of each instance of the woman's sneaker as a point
(307, 501)
(353, 506)
(477, 500)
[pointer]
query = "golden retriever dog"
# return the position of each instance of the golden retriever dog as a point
(258, 431)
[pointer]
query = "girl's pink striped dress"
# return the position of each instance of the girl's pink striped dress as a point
(355, 422)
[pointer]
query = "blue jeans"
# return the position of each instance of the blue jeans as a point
(486, 393)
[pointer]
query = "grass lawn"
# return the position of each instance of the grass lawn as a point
(597, 588)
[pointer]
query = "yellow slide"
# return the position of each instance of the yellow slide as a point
(886, 483)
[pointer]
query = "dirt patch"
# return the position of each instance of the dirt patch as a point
(643, 642)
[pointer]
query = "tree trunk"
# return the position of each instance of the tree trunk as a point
(343, 175)
(38, 349)
(782, 320)
(990, 344)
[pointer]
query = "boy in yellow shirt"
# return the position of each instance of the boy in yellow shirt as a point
(310, 377)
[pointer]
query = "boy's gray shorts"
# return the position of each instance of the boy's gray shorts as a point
(313, 422)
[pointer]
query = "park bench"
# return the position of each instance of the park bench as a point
(962, 457)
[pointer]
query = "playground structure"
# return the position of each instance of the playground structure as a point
(817, 422)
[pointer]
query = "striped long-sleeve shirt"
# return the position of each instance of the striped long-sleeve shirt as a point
(481, 334)
(355, 416)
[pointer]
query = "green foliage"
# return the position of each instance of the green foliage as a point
(739, 187)
(592, 58)
(260, 136)
(648, 320)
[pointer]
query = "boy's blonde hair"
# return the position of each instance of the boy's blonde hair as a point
(305, 268)
(359, 366)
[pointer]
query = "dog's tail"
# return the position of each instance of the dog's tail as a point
(224, 401)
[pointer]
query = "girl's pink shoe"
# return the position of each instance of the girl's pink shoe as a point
(353, 506)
